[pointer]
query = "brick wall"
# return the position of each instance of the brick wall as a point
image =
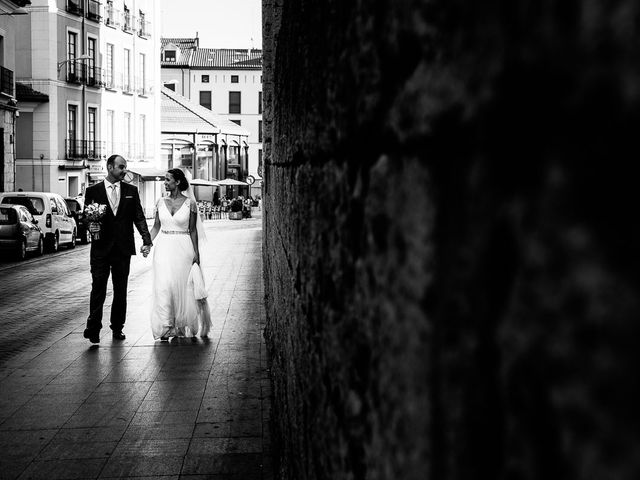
(451, 238)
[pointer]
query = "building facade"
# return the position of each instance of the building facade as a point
(226, 81)
(100, 76)
(9, 12)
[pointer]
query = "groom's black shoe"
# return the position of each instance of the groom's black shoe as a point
(94, 337)
(119, 336)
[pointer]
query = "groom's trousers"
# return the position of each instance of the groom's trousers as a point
(117, 264)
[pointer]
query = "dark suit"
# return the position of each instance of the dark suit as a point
(111, 254)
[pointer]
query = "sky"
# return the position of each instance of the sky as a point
(218, 23)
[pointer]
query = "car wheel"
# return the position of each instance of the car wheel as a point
(55, 243)
(40, 249)
(73, 240)
(22, 250)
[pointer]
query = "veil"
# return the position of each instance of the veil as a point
(202, 237)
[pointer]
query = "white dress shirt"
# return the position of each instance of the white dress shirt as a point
(109, 186)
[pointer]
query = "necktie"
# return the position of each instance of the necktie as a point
(114, 199)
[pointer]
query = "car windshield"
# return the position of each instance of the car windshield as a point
(35, 205)
(7, 216)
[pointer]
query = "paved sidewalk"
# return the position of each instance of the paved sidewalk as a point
(142, 408)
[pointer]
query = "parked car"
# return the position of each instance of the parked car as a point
(53, 216)
(19, 232)
(76, 208)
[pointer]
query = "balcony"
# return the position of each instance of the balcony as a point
(144, 28)
(127, 22)
(81, 73)
(112, 16)
(84, 149)
(6, 81)
(75, 7)
(93, 10)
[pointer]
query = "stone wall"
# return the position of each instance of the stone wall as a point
(451, 238)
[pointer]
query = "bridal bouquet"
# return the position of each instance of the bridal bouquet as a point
(94, 213)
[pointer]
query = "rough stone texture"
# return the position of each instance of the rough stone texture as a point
(451, 242)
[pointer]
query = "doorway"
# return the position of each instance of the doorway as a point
(74, 187)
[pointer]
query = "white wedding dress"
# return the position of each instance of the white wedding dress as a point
(175, 310)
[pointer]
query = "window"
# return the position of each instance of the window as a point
(142, 31)
(72, 129)
(170, 86)
(260, 131)
(93, 10)
(232, 154)
(126, 134)
(91, 63)
(73, 6)
(205, 99)
(142, 81)
(166, 155)
(72, 52)
(170, 56)
(259, 102)
(91, 131)
(234, 102)
(110, 20)
(186, 157)
(205, 78)
(110, 124)
(126, 73)
(237, 122)
(142, 134)
(234, 78)
(127, 19)
(109, 66)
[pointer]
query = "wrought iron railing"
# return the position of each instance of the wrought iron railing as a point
(144, 28)
(75, 6)
(85, 74)
(112, 16)
(127, 21)
(6, 81)
(93, 10)
(89, 149)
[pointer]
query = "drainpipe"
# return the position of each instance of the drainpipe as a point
(194, 165)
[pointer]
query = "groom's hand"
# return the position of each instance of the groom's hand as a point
(145, 249)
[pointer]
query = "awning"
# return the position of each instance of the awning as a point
(148, 173)
(202, 182)
(229, 182)
(73, 166)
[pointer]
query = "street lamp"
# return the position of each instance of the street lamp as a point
(81, 57)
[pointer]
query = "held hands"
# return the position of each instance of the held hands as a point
(196, 259)
(145, 249)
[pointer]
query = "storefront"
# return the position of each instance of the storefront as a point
(207, 147)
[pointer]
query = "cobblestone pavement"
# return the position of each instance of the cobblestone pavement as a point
(137, 408)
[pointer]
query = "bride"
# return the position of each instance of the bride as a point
(179, 305)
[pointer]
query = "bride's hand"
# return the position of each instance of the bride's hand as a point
(196, 259)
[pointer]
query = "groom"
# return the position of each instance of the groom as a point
(111, 253)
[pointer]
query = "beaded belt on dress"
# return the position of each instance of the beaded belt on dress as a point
(176, 232)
